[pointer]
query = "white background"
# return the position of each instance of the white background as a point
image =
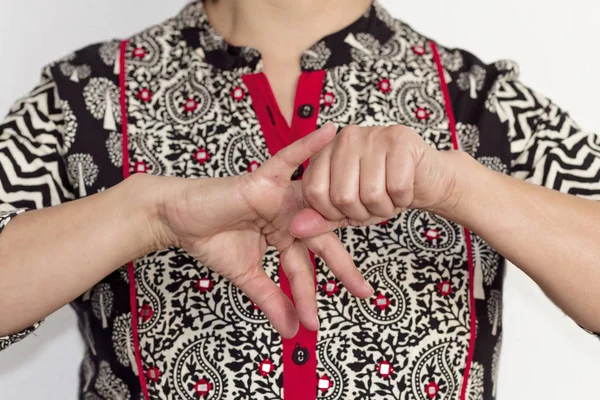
(545, 355)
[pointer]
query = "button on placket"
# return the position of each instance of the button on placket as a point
(306, 111)
(300, 355)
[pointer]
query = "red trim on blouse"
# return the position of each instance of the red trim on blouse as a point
(130, 266)
(447, 101)
(299, 379)
(123, 101)
(452, 123)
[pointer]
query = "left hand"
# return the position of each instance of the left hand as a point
(369, 174)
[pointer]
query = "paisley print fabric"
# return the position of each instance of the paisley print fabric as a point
(433, 328)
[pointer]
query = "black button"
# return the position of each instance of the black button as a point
(298, 173)
(305, 111)
(300, 355)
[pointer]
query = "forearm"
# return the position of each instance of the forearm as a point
(551, 236)
(51, 256)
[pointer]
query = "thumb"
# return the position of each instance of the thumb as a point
(283, 164)
(308, 223)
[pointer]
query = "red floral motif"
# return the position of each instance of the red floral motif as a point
(432, 234)
(238, 93)
(139, 52)
(202, 387)
(328, 99)
(330, 288)
(324, 383)
(201, 155)
(445, 288)
(145, 95)
(385, 369)
(265, 367)
(140, 167)
(419, 50)
(190, 105)
(153, 374)
(432, 389)
(384, 85)
(422, 114)
(204, 284)
(381, 302)
(254, 165)
(146, 312)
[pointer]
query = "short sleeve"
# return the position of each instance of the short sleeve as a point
(548, 148)
(512, 129)
(33, 139)
(508, 126)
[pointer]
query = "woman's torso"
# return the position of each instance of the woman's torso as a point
(183, 103)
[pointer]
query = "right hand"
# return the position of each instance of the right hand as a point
(227, 224)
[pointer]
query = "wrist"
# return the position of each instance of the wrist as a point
(184, 210)
(462, 170)
(145, 196)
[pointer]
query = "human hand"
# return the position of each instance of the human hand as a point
(227, 224)
(369, 174)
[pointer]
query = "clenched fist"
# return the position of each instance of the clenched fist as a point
(369, 174)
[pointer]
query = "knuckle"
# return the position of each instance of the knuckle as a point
(269, 297)
(244, 279)
(343, 199)
(295, 274)
(349, 133)
(391, 135)
(314, 192)
(396, 190)
(372, 196)
(318, 247)
(403, 199)
(397, 132)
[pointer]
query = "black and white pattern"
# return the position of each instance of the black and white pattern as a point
(190, 115)
(6, 341)
(30, 143)
(6, 216)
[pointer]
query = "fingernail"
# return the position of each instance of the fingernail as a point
(329, 124)
(317, 321)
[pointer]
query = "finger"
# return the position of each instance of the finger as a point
(298, 268)
(400, 177)
(282, 165)
(344, 180)
(276, 306)
(315, 185)
(308, 223)
(373, 190)
(339, 261)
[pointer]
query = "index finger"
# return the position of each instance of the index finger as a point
(282, 165)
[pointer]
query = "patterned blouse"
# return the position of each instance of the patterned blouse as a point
(177, 100)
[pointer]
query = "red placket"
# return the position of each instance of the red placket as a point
(299, 353)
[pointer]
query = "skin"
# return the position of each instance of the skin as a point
(549, 235)
(359, 177)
